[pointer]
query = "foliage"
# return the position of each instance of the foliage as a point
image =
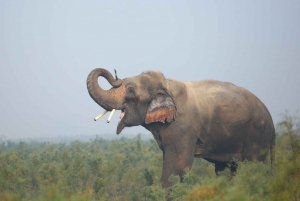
(130, 169)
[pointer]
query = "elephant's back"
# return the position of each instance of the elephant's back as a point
(233, 121)
(216, 98)
(223, 107)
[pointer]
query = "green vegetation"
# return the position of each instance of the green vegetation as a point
(130, 169)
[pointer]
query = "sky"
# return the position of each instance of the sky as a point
(48, 48)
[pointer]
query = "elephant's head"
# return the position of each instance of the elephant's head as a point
(143, 99)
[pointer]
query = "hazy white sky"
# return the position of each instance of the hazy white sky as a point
(47, 49)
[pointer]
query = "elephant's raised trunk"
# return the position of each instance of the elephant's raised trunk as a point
(108, 99)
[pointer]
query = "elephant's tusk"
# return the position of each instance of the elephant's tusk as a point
(110, 115)
(101, 115)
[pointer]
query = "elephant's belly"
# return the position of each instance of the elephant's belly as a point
(217, 154)
(224, 157)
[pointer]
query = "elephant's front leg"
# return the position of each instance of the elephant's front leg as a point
(176, 162)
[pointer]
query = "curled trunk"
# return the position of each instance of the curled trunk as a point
(108, 99)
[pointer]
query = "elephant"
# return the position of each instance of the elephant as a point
(214, 120)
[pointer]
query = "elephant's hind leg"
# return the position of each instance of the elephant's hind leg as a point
(233, 167)
(219, 167)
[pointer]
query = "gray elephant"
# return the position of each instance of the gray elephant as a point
(209, 119)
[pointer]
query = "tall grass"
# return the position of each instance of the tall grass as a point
(130, 169)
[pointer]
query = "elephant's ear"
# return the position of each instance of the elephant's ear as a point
(162, 108)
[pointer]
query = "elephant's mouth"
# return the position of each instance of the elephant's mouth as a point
(121, 115)
(121, 123)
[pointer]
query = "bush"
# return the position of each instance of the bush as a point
(130, 169)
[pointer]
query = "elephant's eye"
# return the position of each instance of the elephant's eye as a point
(130, 93)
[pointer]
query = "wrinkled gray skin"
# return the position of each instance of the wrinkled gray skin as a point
(209, 119)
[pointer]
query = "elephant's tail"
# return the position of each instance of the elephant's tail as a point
(272, 150)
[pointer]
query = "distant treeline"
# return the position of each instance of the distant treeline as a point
(130, 169)
(67, 139)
